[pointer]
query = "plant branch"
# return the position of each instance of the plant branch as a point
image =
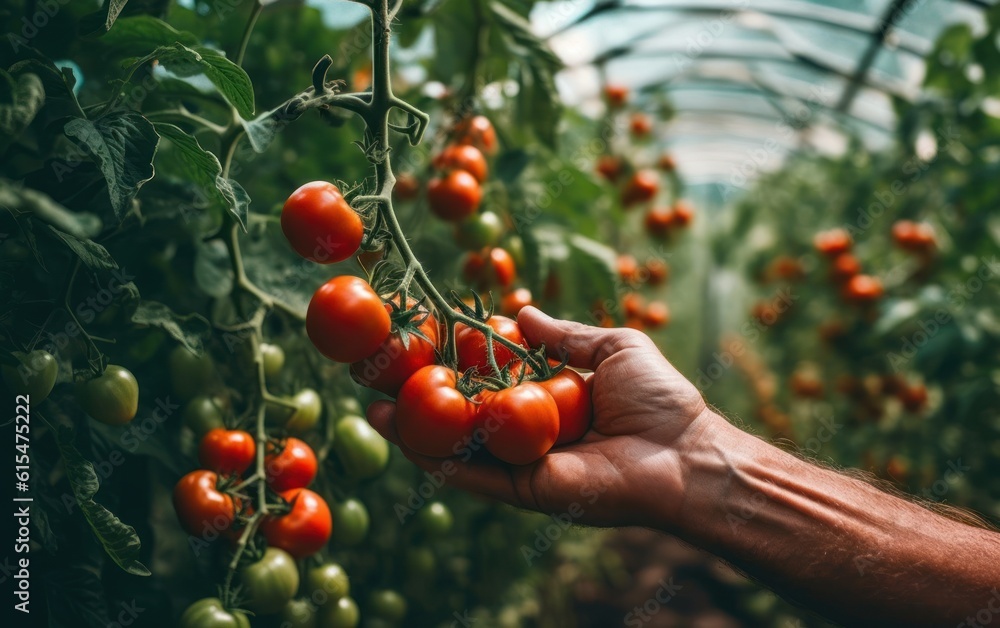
(251, 22)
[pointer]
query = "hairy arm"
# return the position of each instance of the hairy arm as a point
(830, 542)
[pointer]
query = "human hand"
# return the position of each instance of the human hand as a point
(629, 468)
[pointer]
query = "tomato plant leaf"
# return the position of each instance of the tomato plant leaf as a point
(123, 144)
(101, 21)
(227, 77)
(21, 99)
(120, 540)
(213, 270)
(202, 168)
(134, 35)
(92, 254)
(60, 101)
(188, 329)
(237, 199)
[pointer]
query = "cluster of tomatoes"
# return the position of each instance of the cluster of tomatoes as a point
(393, 345)
(845, 269)
(219, 499)
(661, 220)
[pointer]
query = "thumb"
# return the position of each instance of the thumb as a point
(584, 346)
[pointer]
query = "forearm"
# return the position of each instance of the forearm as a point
(833, 543)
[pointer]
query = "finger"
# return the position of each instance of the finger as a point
(489, 479)
(583, 345)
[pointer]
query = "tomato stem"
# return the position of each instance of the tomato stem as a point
(375, 113)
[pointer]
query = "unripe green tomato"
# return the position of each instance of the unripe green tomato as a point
(202, 414)
(360, 449)
(209, 613)
(111, 398)
(274, 359)
(340, 614)
(270, 582)
(309, 407)
(420, 563)
(479, 231)
(190, 373)
(515, 246)
(34, 376)
(298, 614)
(387, 604)
(352, 522)
(349, 406)
(329, 578)
(435, 519)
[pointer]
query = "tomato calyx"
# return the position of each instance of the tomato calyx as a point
(406, 321)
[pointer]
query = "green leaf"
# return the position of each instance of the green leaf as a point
(213, 271)
(101, 21)
(26, 96)
(229, 78)
(188, 329)
(237, 200)
(60, 101)
(123, 144)
(202, 168)
(120, 541)
(92, 254)
(134, 35)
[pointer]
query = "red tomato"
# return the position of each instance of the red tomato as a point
(863, 288)
(346, 320)
(640, 124)
(522, 422)
(227, 451)
(658, 221)
(617, 95)
(479, 132)
(291, 467)
(201, 507)
(913, 236)
(471, 344)
(683, 213)
(913, 398)
(844, 266)
(632, 304)
(832, 242)
(642, 187)
(628, 268)
(392, 364)
(657, 271)
(455, 196)
(514, 301)
(667, 163)
(433, 418)
(609, 167)
(572, 396)
(657, 314)
(407, 186)
(320, 225)
(463, 157)
(305, 529)
(495, 268)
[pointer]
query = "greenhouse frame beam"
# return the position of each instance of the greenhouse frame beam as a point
(769, 91)
(798, 10)
(889, 19)
(794, 58)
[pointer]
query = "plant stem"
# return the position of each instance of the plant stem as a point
(254, 14)
(376, 117)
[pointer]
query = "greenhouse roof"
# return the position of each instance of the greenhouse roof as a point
(752, 80)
